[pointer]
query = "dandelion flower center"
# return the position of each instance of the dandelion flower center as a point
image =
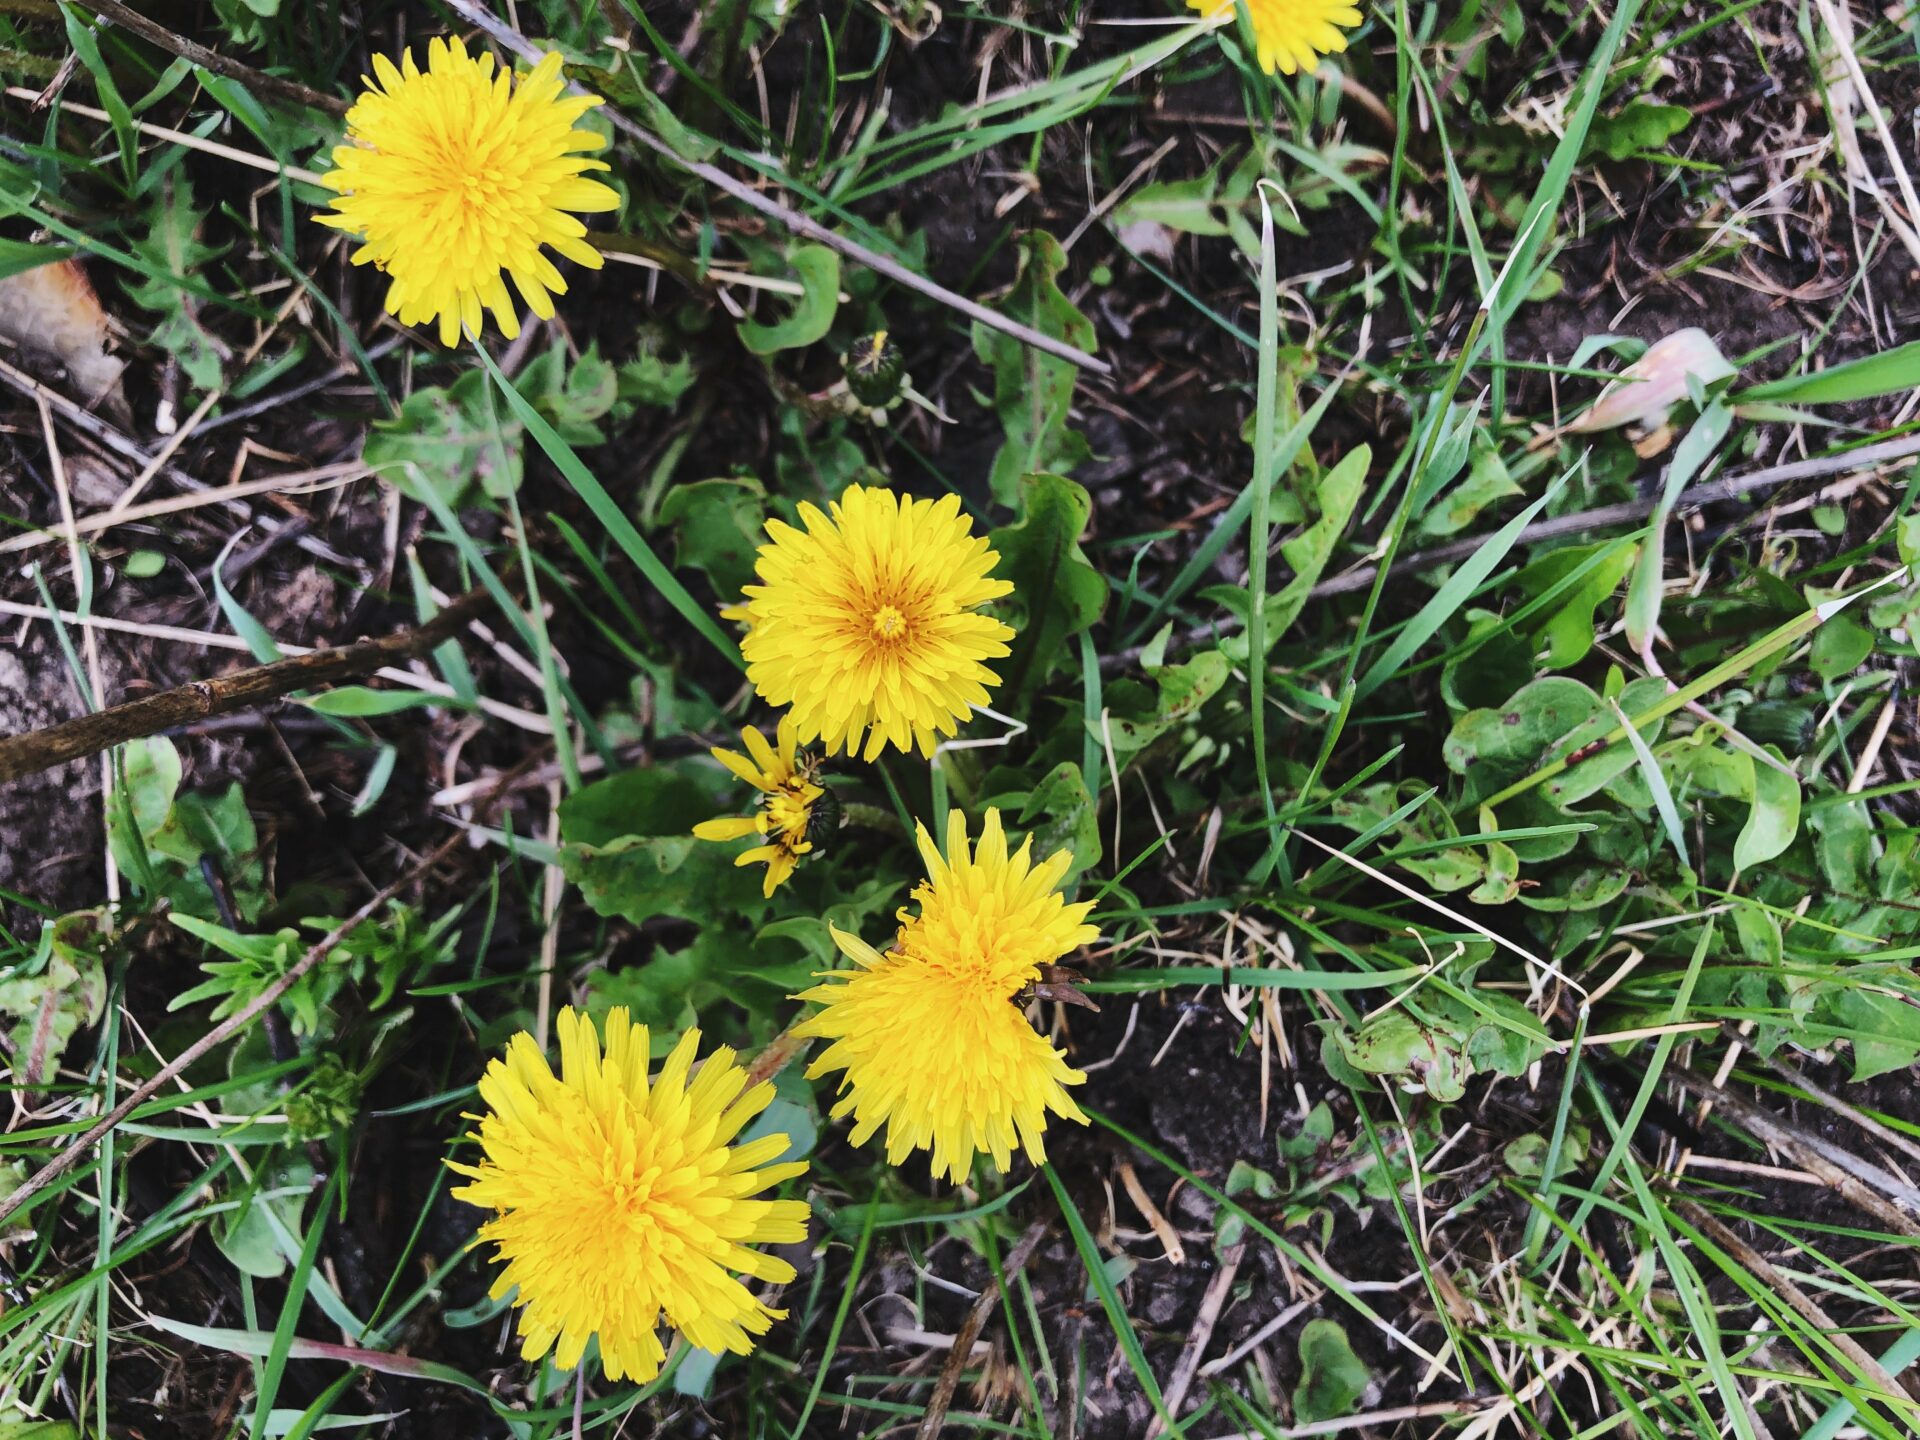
(928, 1035)
(866, 621)
(455, 177)
(889, 624)
(617, 1201)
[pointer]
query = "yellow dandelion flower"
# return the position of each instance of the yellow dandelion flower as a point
(930, 1038)
(791, 803)
(615, 1201)
(455, 178)
(1292, 35)
(867, 621)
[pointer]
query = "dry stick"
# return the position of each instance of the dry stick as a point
(798, 223)
(1867, 1186)
(936, 1412)
(37, 750)
(1211, 1304)
(156, 34)
(225, 1030)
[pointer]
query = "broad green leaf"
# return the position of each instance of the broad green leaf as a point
(1055, 590)
(1033, 391)
(1774, 819)
(1840, 647)
(1332, 1377)
(1060, 815)
(718, 528)
(1638, 128)
(812, 314)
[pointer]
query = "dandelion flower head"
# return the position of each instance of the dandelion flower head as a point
(930, 1037)
(866, 621)
(1291, 35)
(454, 178)
(789, 800)
(616, 1201)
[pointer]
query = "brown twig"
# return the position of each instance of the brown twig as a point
(798, 223)
(937, 1404)
(1211, 1304)
(156, 34)
(37, 750)
(225, 1030)
(1868, 1187)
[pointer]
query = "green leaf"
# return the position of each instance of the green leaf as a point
(450, 439)
(1072, 819)
(1033, 391)
(1336, 495)
(1332, 1377)
(358, 701)
(1891, 372)
(630, 845)
(1567, 630)
(1487, 482)
(1183, 689)
(170, 251)
(718, 528)
(812, 315)
(1639, 128)
(19, 256)
(1192, 207)
(1840, 647)
(38, 1430)
(1774, 819)
(67, 991)
(1057, 591)
(1884, 1029)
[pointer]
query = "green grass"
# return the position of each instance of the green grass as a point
(1384, 868)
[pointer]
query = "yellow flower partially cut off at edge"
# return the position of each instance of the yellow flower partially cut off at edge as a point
(1291, 35)
(454, 178)
(866, 621)
(929, 1036)
(616, 1201)
(788, 796)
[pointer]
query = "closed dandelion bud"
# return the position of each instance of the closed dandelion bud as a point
(1787, 723)
(876, 371)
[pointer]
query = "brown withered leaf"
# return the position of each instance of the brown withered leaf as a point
(53, 317)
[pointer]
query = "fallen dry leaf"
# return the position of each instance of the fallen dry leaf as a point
(1652, 385)
(51, 314)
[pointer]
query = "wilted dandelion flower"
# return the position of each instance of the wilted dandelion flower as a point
(866, 622)
(615, 1201)
(929, 1035)
(455, 178)
(792, 805)
(1291, 35)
